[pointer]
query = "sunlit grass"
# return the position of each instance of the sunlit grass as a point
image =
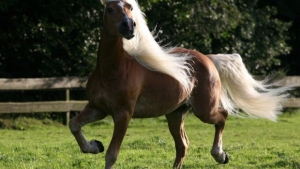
(250, 143)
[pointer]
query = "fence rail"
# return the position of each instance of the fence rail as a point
(53, 83)
(49, 106)
(69, 83)
(43, 83)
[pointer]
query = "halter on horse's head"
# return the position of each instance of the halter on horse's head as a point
(117, 18)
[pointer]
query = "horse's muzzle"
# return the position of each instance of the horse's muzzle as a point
(127, 28)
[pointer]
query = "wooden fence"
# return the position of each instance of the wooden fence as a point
(60, 83)
(69, 83)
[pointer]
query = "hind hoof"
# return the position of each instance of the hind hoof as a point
(221, 158)
(226, 159)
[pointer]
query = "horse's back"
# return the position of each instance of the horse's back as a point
(203, 67)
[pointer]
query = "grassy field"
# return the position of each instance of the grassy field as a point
(250, 143)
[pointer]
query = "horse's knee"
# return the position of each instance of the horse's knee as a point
(73, 126)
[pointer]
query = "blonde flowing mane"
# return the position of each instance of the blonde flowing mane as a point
(150, 54)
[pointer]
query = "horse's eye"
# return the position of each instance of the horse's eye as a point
(109, 10)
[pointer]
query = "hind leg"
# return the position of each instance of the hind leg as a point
(218, 118)
(205, 104)
(205, 100)
(217, 152)
(176, 127)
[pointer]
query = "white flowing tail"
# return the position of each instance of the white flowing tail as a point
(241, 91)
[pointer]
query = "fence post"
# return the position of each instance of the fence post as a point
(68, 112)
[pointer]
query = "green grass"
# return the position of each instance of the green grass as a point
(250, 143)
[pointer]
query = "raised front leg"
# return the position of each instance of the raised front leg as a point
(121, 121)
(176, 127)
(87, 115)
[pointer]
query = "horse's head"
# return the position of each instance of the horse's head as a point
(118, 18)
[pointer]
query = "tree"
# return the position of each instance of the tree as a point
(48, 38)
(288, 11)
(229, 26)
(59, 38)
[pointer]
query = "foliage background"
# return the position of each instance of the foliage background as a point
(59, 38)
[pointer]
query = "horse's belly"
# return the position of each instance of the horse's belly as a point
(154, 107)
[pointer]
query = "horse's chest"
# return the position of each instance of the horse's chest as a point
(108, 96)
(103, 100)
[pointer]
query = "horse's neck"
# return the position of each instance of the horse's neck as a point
(110, 54)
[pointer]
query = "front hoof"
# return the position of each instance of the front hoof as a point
(96, 146)
(100, 146)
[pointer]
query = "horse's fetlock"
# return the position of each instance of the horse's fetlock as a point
(216, 152)
(84, 150)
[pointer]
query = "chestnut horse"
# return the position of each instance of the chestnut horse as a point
(136, 78)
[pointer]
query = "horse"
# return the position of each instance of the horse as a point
(137, 78)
